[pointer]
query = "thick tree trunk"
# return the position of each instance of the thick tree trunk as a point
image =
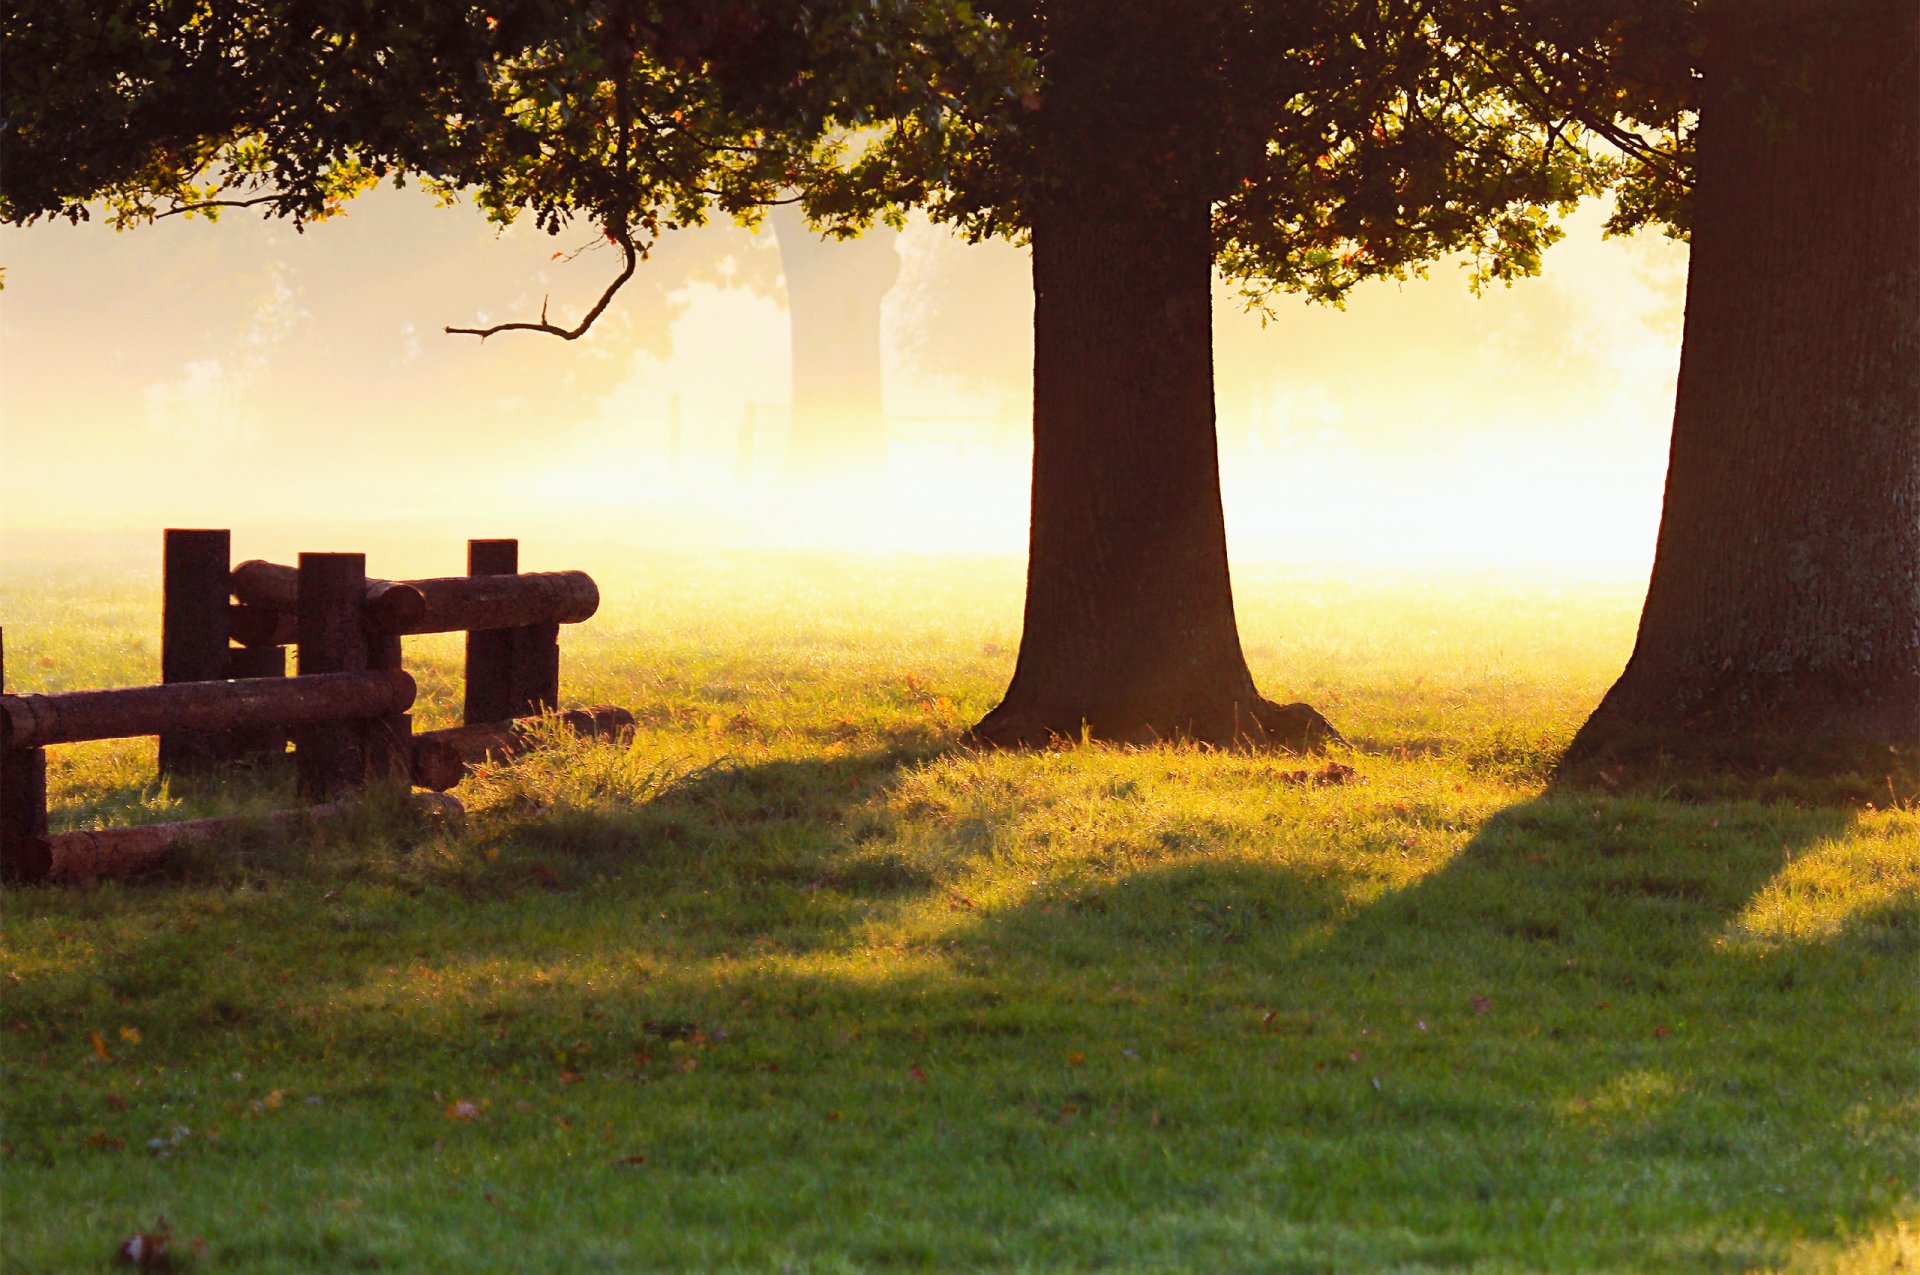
(1784, 609)
(834, 291)
(1129, 628)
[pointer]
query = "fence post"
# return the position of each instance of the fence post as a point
(510, 672)
(24, 853)
(389, 739)
(250, 662)
(489, 693)
(331, 756)
(195, 585)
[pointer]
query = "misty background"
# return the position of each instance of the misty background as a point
(283, 383)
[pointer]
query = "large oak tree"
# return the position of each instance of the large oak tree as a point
(1782, 621)
(1298, 148)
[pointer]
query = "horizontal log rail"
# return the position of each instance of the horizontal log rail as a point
(441, 757)
(85, 857)
(443, 604)
(34, 721)
(466, 603)
(391, 605)
(262, 626)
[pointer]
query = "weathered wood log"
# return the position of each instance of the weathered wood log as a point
(85, 857)
(24, 854)
(456, 603)
(441, 757)
(389, 737)
(259, 626)
(256, 661)
(444, 604)
(510, 672)
(34, 721)
(391, 606)
(193, 635)
(257, 742)
(332, 590)
(489, 676)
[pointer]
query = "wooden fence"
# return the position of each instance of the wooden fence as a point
(225, 696)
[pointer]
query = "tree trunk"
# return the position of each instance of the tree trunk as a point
(1129, 627)
(1784, 608)
(834, 291)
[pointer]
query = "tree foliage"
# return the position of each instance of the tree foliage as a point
(1337, 141)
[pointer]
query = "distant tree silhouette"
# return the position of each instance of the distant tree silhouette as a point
(838, 426)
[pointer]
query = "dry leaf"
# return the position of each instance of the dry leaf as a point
(148, 1250)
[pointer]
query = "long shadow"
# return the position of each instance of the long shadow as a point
(1572, 1026)
(1586, 978)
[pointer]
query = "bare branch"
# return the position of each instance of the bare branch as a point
(201, 205)
(621, 236)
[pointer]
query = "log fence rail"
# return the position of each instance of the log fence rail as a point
(225, 695)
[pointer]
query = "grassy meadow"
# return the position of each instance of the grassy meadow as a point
(795, 982)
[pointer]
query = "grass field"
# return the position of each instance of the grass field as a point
(795, 982)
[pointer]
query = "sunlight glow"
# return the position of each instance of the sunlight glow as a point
(222, 376)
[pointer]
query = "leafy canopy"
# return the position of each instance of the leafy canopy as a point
(1335, 140)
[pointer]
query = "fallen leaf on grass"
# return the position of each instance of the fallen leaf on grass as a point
(670, 1029)
(1328, 776)
(1481, 1004)
(462, 1110)
(130, 1034)
(630, 1161)
(917, 1074)
(1075, 1059)
(100, 1048)
(148, 1250)
(1661, 1031)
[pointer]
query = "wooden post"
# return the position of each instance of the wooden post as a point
(510, 672)
(193, 636)
(332, 756)
(489, 694)
(390, 737)
(259, 742)
(24, 852)
(36, 721)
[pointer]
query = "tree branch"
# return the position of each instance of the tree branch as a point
(201, 205)
(621, 236)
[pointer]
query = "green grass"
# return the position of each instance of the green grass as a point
(795, 982)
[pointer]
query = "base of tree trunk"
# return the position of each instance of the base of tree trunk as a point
(1241, 725)
(1803, 752)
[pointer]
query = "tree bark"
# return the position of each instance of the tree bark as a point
(1129, 628)
(1783, 614)
(838, 427)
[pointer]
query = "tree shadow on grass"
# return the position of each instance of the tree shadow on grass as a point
(1580, 1042)
(1589, 1022)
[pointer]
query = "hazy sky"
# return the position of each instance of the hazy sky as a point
(242, 373)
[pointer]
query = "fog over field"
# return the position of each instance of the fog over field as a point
(300, 385)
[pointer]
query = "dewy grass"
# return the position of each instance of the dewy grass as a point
(794, 981)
